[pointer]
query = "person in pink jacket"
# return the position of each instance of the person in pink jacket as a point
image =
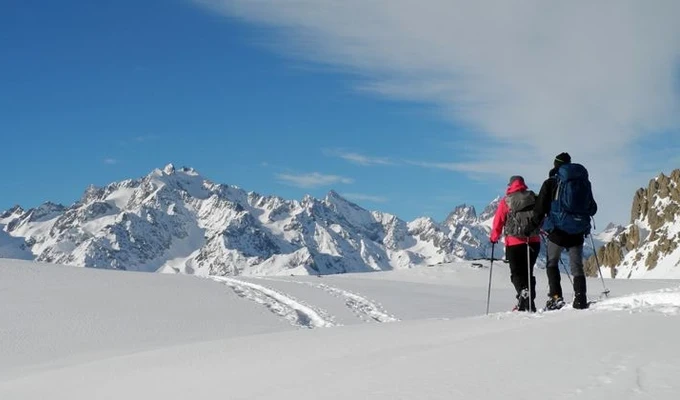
(512, 217)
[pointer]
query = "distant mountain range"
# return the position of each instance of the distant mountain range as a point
(174, 220)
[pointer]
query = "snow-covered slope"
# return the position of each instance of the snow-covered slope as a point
(649, 247)
(609, 233)
(174, 220)
(11, 247)
(73, 333)
(599, 239)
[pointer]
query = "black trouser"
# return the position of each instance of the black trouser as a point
(517, 258)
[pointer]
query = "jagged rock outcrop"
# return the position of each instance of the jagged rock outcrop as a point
(462, 214)
(652, 240)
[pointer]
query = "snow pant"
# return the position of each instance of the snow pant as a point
(517, 258)
(575, 263)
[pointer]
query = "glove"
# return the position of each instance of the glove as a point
(493, 241)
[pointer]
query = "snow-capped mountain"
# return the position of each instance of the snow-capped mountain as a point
(610, 232)
(599, 238)
(463, 214)
(11, 247)
(649, 247)
(174, 220)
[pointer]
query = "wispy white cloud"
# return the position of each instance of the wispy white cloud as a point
(366, 197)
(110, 161)
(437, 165)
(314, 179)
(474, 164)
(359, 159)
(590, 78)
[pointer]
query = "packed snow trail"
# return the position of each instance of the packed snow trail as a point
(664, 301)
(291, 309)
(362, 307)
(359, 304)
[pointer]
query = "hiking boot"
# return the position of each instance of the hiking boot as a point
(554, 303)
(580, 301)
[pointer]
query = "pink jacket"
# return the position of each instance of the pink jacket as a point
(502, 214)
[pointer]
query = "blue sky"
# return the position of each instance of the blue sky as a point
(295, 98)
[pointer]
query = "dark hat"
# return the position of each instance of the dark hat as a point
(562, 158)
(515, 178)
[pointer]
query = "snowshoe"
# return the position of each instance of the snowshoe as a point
(523, 302)
(554, 303)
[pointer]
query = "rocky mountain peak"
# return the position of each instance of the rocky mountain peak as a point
(462, 214)
(490, 210)
(333, 197)
(611, 226)
(650, 244)
(658, 203)
(45, 211)
(16, 210)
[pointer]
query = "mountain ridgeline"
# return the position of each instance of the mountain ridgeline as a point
(174, 220)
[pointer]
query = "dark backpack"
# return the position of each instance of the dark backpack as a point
(521, 209)
(573, 205)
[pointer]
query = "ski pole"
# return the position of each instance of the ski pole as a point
(597, 261)
(564, 266)
(488, 294)
(529, 275)
(567, 271)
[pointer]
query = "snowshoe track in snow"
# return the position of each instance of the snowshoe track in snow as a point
(665, 301)
(361, 306)
(367, 310)
(296, 312)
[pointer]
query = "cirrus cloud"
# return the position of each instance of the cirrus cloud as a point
(359, 159)
(590, 77)
(311, 180)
